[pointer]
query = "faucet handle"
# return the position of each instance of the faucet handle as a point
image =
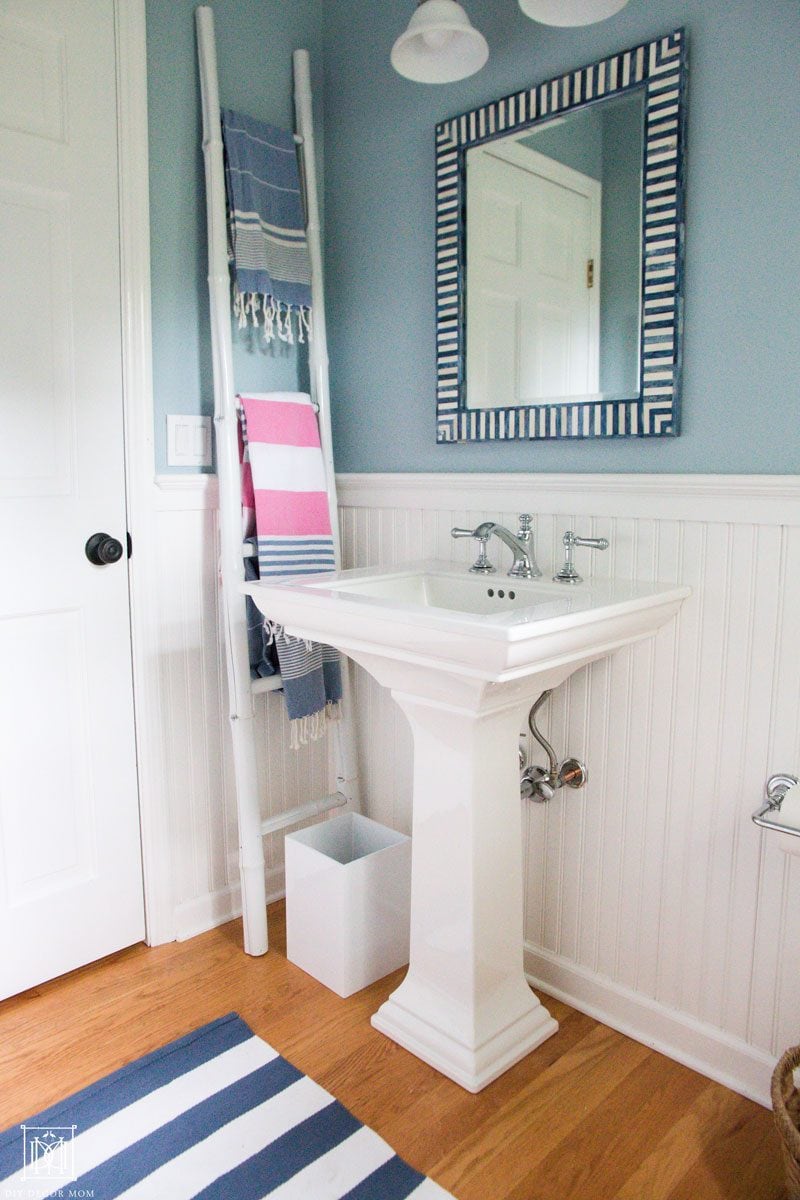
(525, 522)
(568, 573)
(481, 566)
(571, 539)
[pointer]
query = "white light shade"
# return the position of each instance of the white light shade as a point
(570, 12)
(440, 45)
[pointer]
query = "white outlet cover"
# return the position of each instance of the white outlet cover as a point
(188, 440)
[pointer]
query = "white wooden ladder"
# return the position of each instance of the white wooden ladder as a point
(241, 689)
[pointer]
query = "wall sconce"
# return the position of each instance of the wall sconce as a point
(570, 12)
(440, 45)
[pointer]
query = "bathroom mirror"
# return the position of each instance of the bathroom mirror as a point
(559, 243)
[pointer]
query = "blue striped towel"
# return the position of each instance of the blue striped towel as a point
(266, 222)
(311, 673)
(217, 1114)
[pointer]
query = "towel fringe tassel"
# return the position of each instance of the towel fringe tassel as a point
(303, 730)
(286, 322)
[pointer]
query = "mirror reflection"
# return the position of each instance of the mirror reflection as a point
(553, 259)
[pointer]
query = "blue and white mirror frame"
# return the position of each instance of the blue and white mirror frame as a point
(660, 68)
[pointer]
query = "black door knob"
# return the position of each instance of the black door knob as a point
(102, 549)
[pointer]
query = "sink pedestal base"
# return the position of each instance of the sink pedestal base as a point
(465, 1006)
(471, 1066)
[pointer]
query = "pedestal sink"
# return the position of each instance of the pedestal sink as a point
(465, 657)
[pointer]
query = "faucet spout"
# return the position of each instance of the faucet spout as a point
(524, 565)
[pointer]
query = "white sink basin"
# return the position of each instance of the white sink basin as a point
(465, 656)
(492, 626)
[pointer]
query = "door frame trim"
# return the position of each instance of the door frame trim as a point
(137, 378)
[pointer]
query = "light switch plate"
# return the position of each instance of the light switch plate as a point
(188, 440)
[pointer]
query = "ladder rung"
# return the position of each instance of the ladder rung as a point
(293, 816)
(269, 683)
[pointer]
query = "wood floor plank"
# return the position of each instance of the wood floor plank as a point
(731, 1162)
(683, 1151)
(598, 1156)
(589, 1114)
(507, 1151)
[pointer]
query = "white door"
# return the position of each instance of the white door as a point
(533, 315)
(70, 860)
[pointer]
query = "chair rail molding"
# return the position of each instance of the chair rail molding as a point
(719, 497)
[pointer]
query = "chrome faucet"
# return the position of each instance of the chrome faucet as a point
(520, 544)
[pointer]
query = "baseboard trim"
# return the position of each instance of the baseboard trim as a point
(217, 908)
(706, 1049)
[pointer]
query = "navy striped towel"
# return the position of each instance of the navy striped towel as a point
(311, 673)
(218, 1115)
(266, 223)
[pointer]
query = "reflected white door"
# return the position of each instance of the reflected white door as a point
(70, 860)
(533, 314)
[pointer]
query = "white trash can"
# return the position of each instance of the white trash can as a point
(348, 897)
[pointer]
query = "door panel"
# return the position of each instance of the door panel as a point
(532, 324)
(36, 342)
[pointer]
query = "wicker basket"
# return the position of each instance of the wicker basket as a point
(786, 1106)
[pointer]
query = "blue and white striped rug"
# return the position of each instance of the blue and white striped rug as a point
(218, 1115)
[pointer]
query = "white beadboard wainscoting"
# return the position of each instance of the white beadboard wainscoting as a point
(194, 771)
(652, 901)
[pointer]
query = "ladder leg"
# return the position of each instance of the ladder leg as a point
(344, 745)
(240, 699)
(251, 842)
(343, 736)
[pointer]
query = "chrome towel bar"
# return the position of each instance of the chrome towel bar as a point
(777, 787)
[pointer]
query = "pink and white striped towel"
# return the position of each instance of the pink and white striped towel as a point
(284, 495)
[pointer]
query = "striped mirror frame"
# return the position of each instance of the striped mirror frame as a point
(659, 67)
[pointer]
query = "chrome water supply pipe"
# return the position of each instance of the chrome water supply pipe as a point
(541, 784)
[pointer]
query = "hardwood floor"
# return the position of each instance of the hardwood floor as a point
(590, 1114)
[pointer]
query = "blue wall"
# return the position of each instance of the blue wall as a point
(741, 366)
(255, 40)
